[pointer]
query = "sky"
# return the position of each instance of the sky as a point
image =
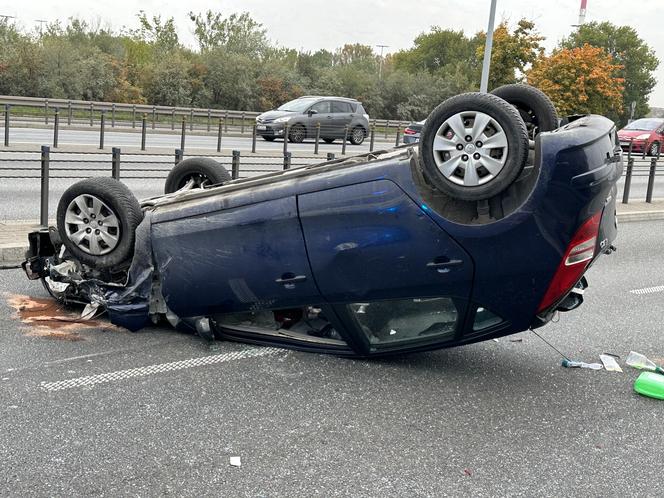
(315, 24)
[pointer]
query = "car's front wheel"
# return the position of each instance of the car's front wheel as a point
(534, 106)
(97, 220)
(473, 146)
(653, 150)
(297, 134)
(357, 135)
(197, 172)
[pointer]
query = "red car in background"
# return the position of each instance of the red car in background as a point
(645, 134)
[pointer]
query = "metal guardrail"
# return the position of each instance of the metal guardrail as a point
(132, 113)
(640, 166)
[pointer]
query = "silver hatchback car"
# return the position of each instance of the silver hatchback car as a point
(337, 117)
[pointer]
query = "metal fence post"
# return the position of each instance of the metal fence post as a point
(286, 138)
(219, 135)
(112, 115)
(372, 138)
(115, 163)
(629, 151)
(154, 115)
(45, 111)
(191, 119)
(343, 145)
(387, 126)
(242, 125)
(317, 137)
(133, 116)
(7, 109)
(69, 113)
(183, 132)
(56, 127)
(173, 119)
(235, 165)
(226, 122)
(143, 130)
(253, 139)
(396, 141)
(651, 179)
(179, 155)
(102, 124)
(209, 119)
(287, 160)
(330, 156)
(92, 121)
(628, 180)
(45, 162)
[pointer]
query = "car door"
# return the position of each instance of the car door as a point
(322, 116)
(373, 249)
(342, 115)
(249, 257)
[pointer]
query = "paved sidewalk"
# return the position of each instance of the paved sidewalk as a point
(14, 238)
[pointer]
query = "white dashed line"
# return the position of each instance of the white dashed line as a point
(92, 380)
(648, 290)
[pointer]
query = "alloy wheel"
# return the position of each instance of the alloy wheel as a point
(92, 225)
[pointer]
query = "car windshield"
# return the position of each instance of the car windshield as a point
(297, 105)
(644, 124)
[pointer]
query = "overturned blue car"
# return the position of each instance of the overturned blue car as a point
(484, 228)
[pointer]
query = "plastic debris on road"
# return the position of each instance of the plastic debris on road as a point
(610, 363)
(639, 361)
(650, 384)
(236, 461)
(581, 364)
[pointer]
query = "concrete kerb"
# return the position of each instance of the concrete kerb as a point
(14, 235)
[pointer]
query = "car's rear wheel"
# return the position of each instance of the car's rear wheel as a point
(197, 172)
(268, 138)
(328, 140)
(473, 146)
(297, 134)
(357, 135)
(653, 150)
(97, 220)
(534, 106)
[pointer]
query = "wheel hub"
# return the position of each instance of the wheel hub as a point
(92, 225)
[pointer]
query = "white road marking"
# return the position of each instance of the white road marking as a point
(648, 290)
(92, 380)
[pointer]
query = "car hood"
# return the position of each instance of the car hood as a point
(633, 133)
(272, 115)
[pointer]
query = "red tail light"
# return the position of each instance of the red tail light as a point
(575, 261)
(408, 131)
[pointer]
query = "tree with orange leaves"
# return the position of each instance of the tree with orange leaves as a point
(580, 80)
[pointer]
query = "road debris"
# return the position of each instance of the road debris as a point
(650, 384)
(580, 364)
(641, 362)
(610, 363)
(236, 461)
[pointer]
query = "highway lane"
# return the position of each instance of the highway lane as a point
(491, 419)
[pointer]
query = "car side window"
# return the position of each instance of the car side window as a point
(322, 107)
(406, 320)
(341, 107)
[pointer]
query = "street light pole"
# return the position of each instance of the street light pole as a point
(484, 83)
(380, 64)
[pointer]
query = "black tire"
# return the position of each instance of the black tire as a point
(328, 140)
(653, 150)
(482, 184)
(268, 138)
(297, 133)
(535, 108)
(116, 196)
(203, 170)
(357, 135)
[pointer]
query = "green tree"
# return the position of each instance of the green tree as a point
(434, 50)
(637, 59)
(237, 33)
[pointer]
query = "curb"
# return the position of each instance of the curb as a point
(12, 254)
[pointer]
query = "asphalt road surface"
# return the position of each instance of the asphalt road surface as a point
(495, 418)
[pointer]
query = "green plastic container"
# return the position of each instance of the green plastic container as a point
(650, 384)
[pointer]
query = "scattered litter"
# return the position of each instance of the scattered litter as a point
(496, 340)
(650, 384)
(468, 472)
(236, 461)
(516, 340)
(610, 363)
(580, 364)
(637, 360)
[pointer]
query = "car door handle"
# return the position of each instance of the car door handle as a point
(444, 266)
(290, 279)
